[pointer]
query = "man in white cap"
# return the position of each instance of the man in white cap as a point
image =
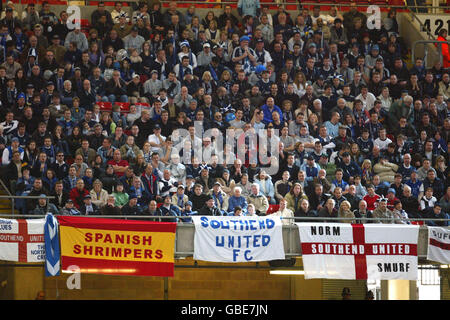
(205, 56)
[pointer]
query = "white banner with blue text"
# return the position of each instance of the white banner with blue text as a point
(238, 239)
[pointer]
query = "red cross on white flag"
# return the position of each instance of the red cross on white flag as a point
(356, 251)
(22, 240)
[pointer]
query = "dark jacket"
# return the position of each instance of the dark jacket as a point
(132, 211)
(108, 210)
(94, 207)
(205, 211)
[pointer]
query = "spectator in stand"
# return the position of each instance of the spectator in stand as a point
(337, 89)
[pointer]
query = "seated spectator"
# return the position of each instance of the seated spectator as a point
(345, 212)
(400, 215)
(88, 207)
(238, 200)
(220, 198)
(42, 207)
(258, 199)
(78, 193)
(69, 209)
(285, 213)
(266, 186)
(362, 214)
(167, 209)
(132, 208)
(110, 208)
(294, 197)
(99, 196)
(209, 208)
(428, 200)
(436, 213)
(328, 211)
(382, 214)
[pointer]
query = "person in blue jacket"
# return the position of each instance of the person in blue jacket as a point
(268, 108)
(349, 168)
(237, 200)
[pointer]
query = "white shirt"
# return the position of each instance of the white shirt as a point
(368, 101)
(153, 138)
(285, 213)
(382, 144)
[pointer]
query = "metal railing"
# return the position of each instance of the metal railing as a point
(296, 219)
(11, 197)
(9, 194)
(414, 17)
(185, 233)
(425, 42)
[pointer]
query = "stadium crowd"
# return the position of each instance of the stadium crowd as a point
(89, 116)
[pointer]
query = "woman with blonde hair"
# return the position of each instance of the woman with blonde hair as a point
(313, 123)
(294, 197)
(212, 33)
(109, 127)
(300, 83)
(208, 83)
(99, 195)
(345, 212)
(225, 80)
(355, 154)
(303, 108)
(367, 172)
(442, 171)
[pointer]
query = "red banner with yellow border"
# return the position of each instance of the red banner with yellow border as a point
(117, 247)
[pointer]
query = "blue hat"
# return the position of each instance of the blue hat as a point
(244, 38)
(391, 190)
(230, 117)
(375, 47)
(21, 95)
(260, 68)
(188, 203)
(184, 44)
(132, 196)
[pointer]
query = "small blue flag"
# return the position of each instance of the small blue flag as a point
(52, 250)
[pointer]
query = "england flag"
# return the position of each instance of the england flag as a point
(357, 251)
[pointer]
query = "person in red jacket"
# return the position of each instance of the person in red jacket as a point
(77, 194)
(445, 50)
(371, 197)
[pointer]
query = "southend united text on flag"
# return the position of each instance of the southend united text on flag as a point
(120, 247)
(238, 239)
(357, 251)
(22, 240)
